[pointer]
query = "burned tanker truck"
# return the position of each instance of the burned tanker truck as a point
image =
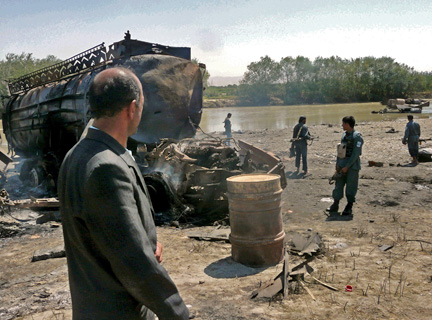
(48, 111)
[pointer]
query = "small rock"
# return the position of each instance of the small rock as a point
(340, 245)
(57, 252)
(175, 224)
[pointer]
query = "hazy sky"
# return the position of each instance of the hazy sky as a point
(225, 35)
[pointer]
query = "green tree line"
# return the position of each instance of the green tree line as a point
(17, 65)
(329, 80)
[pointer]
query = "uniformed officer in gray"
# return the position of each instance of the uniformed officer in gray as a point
(412, 136)
(347, 163)
(300, 136)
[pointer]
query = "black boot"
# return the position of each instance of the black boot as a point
(334, 207)
(348, 209)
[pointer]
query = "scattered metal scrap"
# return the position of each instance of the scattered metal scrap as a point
(6, 160)
(300, 245)
(192, 173)
(5, 201)
(282, 282)
(310, 244)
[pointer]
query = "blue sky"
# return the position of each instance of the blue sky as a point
(225, 35)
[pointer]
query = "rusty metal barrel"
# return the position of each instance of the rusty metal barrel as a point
(257, 232)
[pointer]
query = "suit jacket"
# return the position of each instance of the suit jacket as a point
(110, 236)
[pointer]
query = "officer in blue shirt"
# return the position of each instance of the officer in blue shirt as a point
(347, 163)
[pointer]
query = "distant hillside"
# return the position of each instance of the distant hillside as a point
(223, 81)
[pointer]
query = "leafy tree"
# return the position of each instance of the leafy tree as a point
(297, 77)
(17, 65)
(257, 86)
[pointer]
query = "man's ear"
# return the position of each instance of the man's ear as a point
(131, 109)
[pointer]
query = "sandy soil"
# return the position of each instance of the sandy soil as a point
(392, 208)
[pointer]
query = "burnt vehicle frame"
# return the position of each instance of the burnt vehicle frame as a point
(48, 112)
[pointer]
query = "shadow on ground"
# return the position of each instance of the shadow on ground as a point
(336, 216)
(296, 175)
(227, 268)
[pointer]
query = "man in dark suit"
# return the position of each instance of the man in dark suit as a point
(110, 237)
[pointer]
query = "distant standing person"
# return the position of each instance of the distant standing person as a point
(411, 137)
(300, 137)
(227, 126)
(348, 164)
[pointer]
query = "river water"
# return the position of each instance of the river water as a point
(280, 117)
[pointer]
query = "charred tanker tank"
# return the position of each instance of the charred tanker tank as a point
(48, 109)
(48, 112)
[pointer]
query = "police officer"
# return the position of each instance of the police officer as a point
(300, 136)
(349, 165)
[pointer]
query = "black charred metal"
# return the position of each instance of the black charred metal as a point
(192, 173)
(48, 109)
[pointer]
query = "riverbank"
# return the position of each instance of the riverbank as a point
(392, 209)
(219, 103)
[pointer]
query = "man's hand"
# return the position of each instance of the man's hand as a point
(158, 253)
(344, 169)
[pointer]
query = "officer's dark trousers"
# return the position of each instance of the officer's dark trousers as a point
(301, 151)
(350, 182)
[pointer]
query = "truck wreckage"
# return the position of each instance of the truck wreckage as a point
(48, 111)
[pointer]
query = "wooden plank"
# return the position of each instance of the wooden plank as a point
(37, 203)
(324, 284)
(285, 275)
(308, 291)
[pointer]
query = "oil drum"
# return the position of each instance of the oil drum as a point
(257, 233)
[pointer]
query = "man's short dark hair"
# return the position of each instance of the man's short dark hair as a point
(350, 120)
(229, 115)
(109, 95)
(410, 117)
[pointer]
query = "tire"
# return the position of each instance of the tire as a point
(25, 170)
(36, 176)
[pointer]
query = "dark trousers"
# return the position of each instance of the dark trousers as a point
(350, 182)
(301, 151)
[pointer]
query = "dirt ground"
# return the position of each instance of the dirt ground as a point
(392, 209)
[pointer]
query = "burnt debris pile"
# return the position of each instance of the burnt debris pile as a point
(186, 179)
